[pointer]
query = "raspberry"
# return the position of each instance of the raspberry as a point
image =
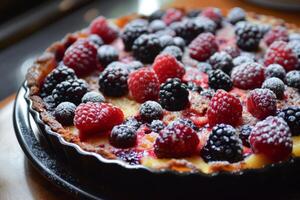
(130, 156)
(157, 25)
(93, 97)
(203, 46)
(275, 85)
(193, 87)
(146, 48)
(172, 15)
(173, 51)
(113, 80)
(272, 138)
(175, 141)
(122, 136)
(131, 33)
(213, 14)
(232, 51)
(223, 145)
(193, 13)
(242, 59)
(107, 54)
(293, 79)
(96, 40)
(156, 15)
(157, 125)
(71, 90)
(278, 33)
(81, 56)
(102, 28)
(224, 108)
(151, 110)
(173, 95)
(221, 60)
(217, 79)
(236, 15)
(132, 122)
(143, 85)
(248, 75)
(94, 117)
(244, 134)
(281, 53)
(275, 70)
(292, 117)
(166, 66)
(58, 75)
(261, 103)
(248, 36)
(64, 113)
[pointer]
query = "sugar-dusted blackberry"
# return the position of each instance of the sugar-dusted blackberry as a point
(131, 33)
(276, 85)
(156, 15)
(93, 97)
(208, 93)
(122, 136)
(173, 95)
(58, 75)
(166, 40)
(193, 13)
(233, 51)
(179, 42)
(130, 156)
(138, 22)
(150, 110)
(293, 79)
(157, 25)
(275, 70)
(292, 116)
(186, 122)
(65, 112)
(244, 134)
(221, 60)
(294, 37)
(217, 79)
(107, 54)
(113, 80)
(242, 59)
(248, 36)
(71, 90)
(223, 145)
(132, 122)
(146, 47)
(204, 67)
(193, 87)
(157, 125)
(96, 40)
(134, 65)
(166, 31)
(295, 45)
(173, 51)
(236, 14)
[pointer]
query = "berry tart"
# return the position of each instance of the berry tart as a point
(181, 91)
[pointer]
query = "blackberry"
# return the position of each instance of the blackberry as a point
(129, 156)
(188, 29)
(132, 122)
(58, 75)
(293, 79)
(113, 80)
(276, 85)
(96, 40)
(294, 37)
(49, 103)
(156, 15)
(292, 116)
(217, 79)
(248, 36)
(193, 87)
(65, 112)
(107, 54)
(166, 40)
(131, 33)
(157, 25)
(207, 24)
(204, 67)
(157, 125)
(173, 95)
(275, 70)
(93, 97)
(179, 42)
(173, 51)
(221, 60)
(295, 45)
(242, 59)
(193, 13)
(208, 93)
(71, 90)
(186, 122)
(122, 136)
(244, 134)
(134, 65)
(146, 48)
(138, 22)
(150, 110)
(223, 145)
(236, 14)
(232, 51)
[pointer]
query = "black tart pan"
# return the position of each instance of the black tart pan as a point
(118, 180)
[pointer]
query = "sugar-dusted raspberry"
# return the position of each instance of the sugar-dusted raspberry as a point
(224, 108)
(203, 46)
(272, 138)
(104, 29)
(143, 85)
(172, 15)
(95, 117)
(166, 66)
(150, 110)
(248, 75)
(81, 56)
(122, 136)
(175, 141)
(236, 14)
(281, 53)
(278, 33)
(213, 14)
(261, 103)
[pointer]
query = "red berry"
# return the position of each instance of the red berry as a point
(224, 108)
(281, 53)
(175, 141)
(166, 66)
(203, 46)
(102, 28)
(272, 138)
(213, 14)
(248, 75)
(143, 85)
(278, 33)
(172, 15)
(93, 117)
(261, 103)
(81, 56)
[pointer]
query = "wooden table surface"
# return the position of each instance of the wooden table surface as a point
(19, 180)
